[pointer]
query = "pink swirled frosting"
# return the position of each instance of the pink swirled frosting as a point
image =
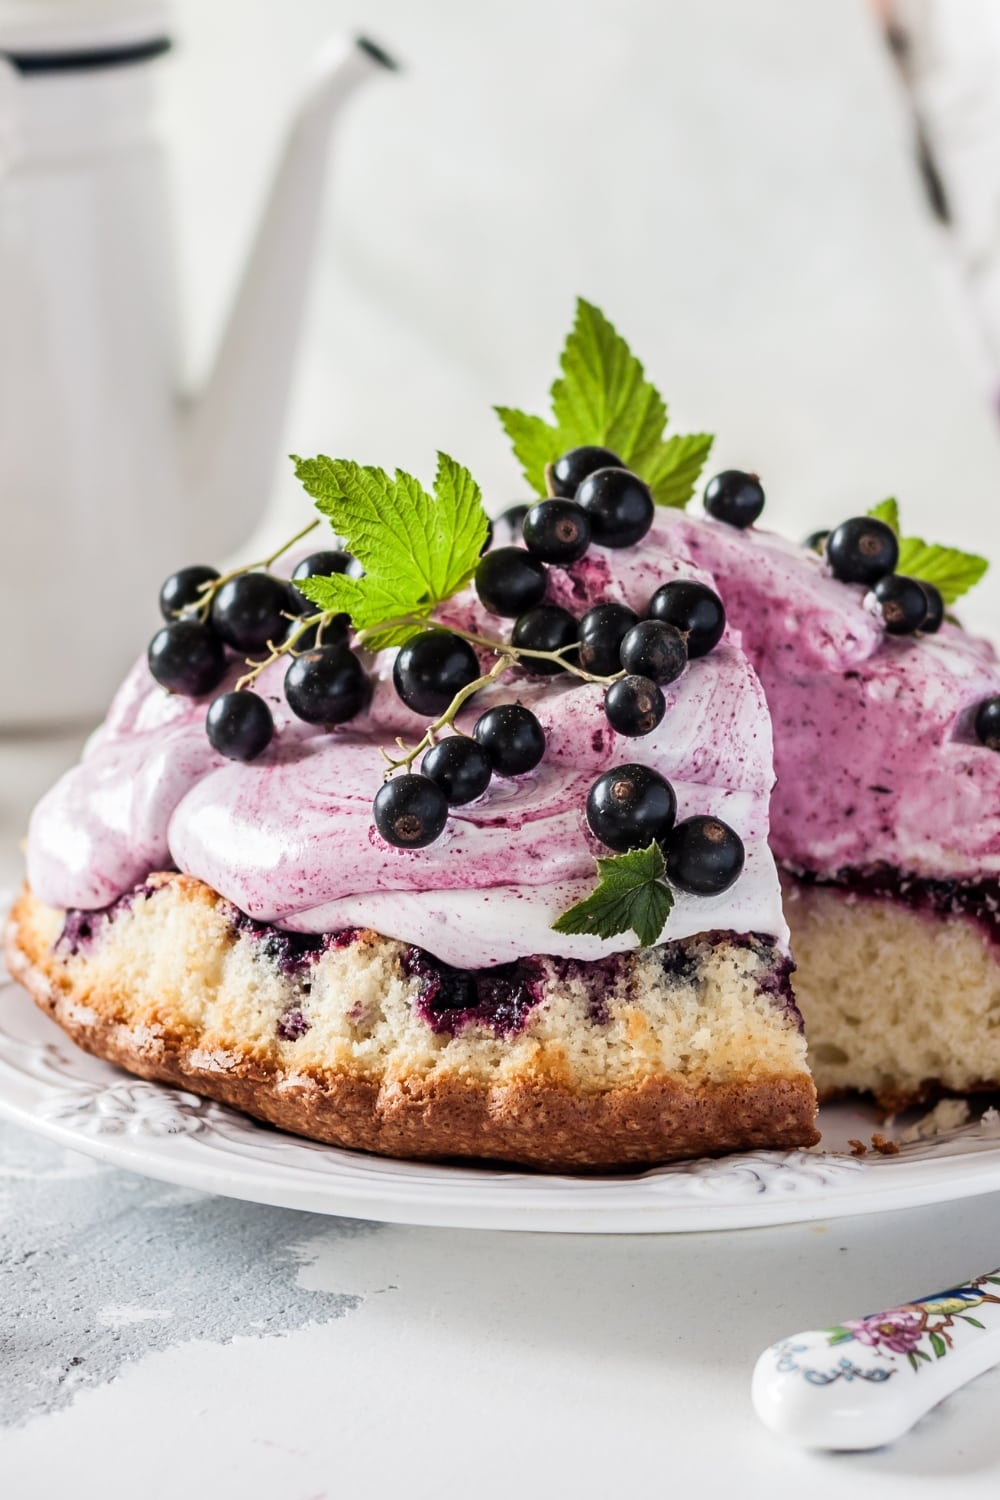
(874, 747)
(289, 838)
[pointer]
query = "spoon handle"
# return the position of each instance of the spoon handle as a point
(868, 1380)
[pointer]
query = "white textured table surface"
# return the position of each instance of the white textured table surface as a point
(765, 244)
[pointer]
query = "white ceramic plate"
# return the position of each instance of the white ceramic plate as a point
(50, 1086)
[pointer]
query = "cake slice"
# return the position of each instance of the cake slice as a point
(249, 928)
(885, 819)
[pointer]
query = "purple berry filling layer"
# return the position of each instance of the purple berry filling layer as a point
(502, 998)
(976, 900)
(451, 999)
(81, 929)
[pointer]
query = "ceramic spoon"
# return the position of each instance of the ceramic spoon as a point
(868, 1380)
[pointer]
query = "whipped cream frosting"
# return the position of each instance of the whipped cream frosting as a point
(289, 838)
(875, 753)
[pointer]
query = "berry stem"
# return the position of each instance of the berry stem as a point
(517, 653)
(286, 647)
(209, 590)
(513, 654)
(448, 717)
(550, 488)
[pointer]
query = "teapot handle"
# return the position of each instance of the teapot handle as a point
(9, 120)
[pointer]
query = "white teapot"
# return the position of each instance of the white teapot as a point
(109, 478)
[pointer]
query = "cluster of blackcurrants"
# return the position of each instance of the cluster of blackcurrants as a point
(632, 806)
(866, 550)
(252, 612)
(614, 508)
(862, 550)
(628, 808)
(411, 810)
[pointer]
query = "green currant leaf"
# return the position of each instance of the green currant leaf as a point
(952, 572)
(631, 895)
(887, 511)
(603, 397)
(416, 549)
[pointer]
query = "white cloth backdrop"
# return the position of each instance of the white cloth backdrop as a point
(732, 182)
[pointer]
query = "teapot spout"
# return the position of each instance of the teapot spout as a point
(231, 431)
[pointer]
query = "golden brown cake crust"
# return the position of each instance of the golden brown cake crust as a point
(528, 1122)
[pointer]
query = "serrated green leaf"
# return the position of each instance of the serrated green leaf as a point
(887, 511)
(631, 895)
(673, 470)
(535, 443)
(603, 390)
(913, 1359)
(952, 572)
(416, 549)
(603, 397)
(968, 1318)
(921, 1354)
(938, 1345)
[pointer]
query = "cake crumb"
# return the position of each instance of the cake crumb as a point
(858, 1148)
(884, 1147)
(947, 1114)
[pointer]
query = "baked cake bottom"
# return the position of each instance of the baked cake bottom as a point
(358, 1040)
(898, 980)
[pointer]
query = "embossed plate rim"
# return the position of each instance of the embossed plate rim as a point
(50, 1086)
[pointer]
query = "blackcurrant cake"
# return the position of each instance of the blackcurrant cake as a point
(448, 838)
(444, 846)
(388, 976)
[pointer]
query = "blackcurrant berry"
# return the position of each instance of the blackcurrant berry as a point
(862, 550)
(630, 807)
(569, 472)
(512, 737)
(903, 603)
(187, 657)
(183, 589)
(734, 497)
(510, 580)
(239, 725)
(557, 531)
(513, 519)
(602, 631)
(249, 610)
(704, 856)
(460, 767)
(816, 541)
(654, 649)
(696, 610)
(327, 685)
(988, 723)
(547, 627)
(410, 811)
(935, 608)
(619, 505)
(634, 705)
(321, 565)
(431, 668)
